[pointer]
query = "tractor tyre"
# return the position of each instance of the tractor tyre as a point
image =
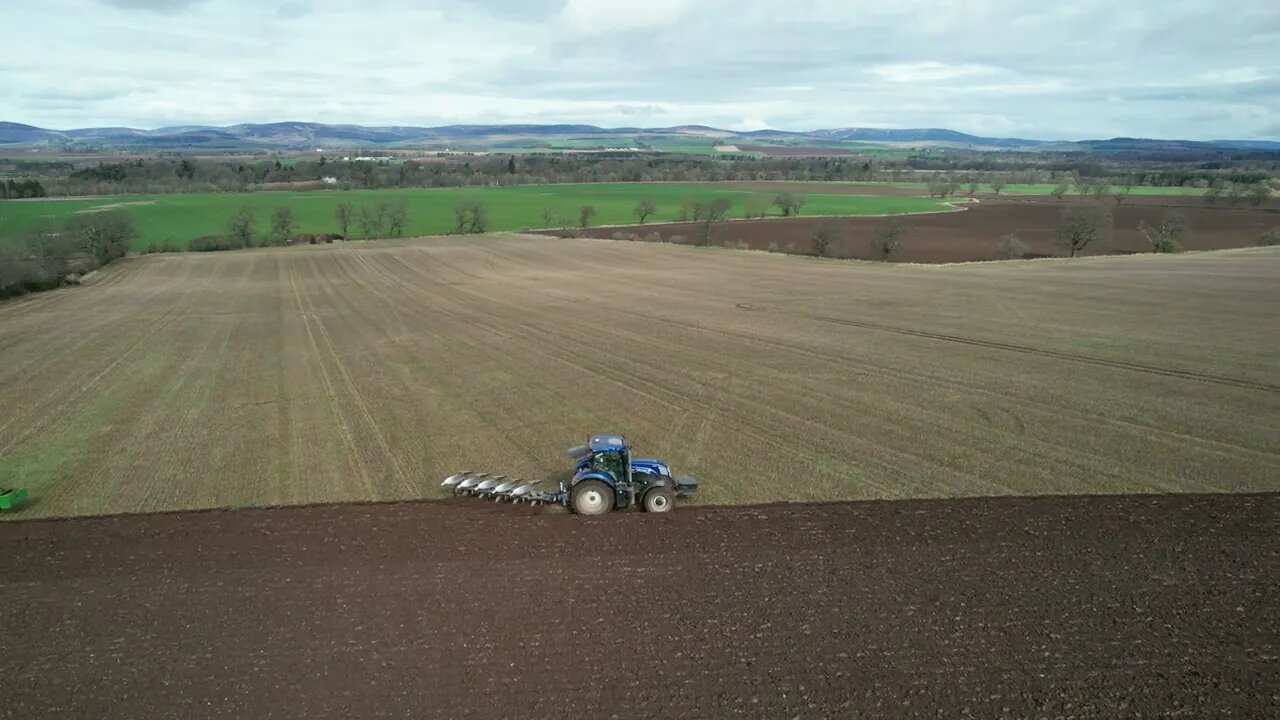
(591, 497)
(658, 500)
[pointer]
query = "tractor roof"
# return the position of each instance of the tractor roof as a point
(605, 443)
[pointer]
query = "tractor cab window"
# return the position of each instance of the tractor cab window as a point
(610, 462)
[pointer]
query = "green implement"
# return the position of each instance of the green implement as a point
(12, 499)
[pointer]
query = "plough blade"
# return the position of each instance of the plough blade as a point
(453, 480)
(503, 490)
(487, 486)
(468, 484)
(523, 492)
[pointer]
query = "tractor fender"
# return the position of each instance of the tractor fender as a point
(603, 477)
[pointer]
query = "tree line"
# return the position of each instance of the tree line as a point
(21, 189)
(383, 219)
(950, 173)
(53, 256)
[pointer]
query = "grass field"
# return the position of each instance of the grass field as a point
(370, 370)
(182, 217)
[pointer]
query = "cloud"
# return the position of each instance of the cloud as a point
(294, 9)
(1232, 76)
(604, 16)
(160, 6)
(1085, 69)
(747, 124)
(930, 71)
(639, 110)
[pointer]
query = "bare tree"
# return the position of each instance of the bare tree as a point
(790, 203)
(1258, 193)
(397, 217)
(1126, 186)
(241, 227)
(644, 209)
(710, 213)
(1213, 194)
(1100, 188)
(368, 221)
(282, 225)
(823, 235)
(479, 217)
(382, 217)
(470, 216)
(343, 215)
(104, 235)
(1082, 225)
(1059, 191)
(686, 208)
(973, 189)
(997, 186)
(1236, 193)
(887, 242)
(585, 213)
(1012, 247)
(1166, 236)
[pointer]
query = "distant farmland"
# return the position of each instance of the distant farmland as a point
(180, 218)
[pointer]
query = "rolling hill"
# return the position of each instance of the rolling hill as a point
(305, 135)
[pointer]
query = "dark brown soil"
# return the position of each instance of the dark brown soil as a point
(975, 234)
(1155, 606)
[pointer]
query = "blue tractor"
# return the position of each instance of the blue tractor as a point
(605, 477)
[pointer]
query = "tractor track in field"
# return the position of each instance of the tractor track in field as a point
(1084, 607)
(361, 404)
(1055, 354)
(349, 444)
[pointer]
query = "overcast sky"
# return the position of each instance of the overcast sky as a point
(1195, 69)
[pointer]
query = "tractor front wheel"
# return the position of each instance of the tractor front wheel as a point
(591, 497)
(658, 500)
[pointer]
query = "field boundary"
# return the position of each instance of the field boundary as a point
(18, 522)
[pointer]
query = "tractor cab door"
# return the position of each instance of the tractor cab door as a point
(624, 492)
(617, 464)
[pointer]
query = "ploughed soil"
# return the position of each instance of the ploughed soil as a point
(1062, 607)
(975, 233)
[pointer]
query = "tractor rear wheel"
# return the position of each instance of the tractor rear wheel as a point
(658, 500)
(591, 497)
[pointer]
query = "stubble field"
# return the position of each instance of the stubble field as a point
(368, 371)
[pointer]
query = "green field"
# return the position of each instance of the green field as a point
(180, 218)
